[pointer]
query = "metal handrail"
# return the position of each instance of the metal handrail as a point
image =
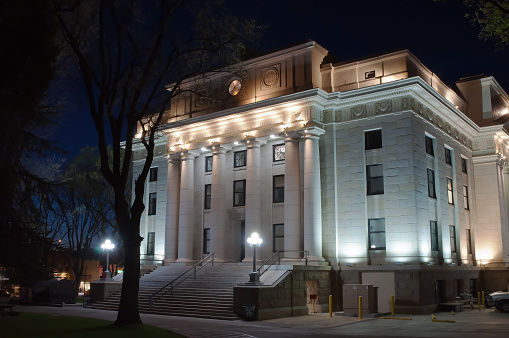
(176, 282)
(272, 259)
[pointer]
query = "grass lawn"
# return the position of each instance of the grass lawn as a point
(45, 325)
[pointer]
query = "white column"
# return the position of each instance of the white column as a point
(312, 195)
(217, 205)
(186, 208)
(172, 210)
(292, 226)
(253, 209)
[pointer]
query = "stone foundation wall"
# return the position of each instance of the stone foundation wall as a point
(101, 290)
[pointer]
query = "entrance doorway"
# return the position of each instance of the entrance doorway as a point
(242, 240)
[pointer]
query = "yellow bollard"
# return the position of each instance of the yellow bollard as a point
(392, 305)
(360, 307)
(483, 305)
(330, 306)
(479, 300)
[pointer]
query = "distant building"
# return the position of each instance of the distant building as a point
(373, 166)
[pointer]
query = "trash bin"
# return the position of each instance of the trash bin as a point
(249, 312)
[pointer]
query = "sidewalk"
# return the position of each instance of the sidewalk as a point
(469, 323)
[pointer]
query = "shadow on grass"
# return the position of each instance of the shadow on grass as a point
(45, 325)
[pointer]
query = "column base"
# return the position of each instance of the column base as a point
(315, 259)
(169, 261)
(184, 260)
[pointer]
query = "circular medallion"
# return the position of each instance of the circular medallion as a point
(234, 87)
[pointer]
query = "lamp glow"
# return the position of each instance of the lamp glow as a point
(107, 246)
(254, 241)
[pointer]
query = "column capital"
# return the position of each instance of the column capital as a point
(188, 155)
(311, 132)
(254, 143)
(291, 136)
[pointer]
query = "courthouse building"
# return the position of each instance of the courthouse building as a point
(374, 167)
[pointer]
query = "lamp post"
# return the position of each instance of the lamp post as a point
(107, 246)
(254, 241)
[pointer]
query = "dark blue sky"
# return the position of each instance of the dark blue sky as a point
(438, 34)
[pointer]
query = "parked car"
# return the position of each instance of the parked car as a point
(500, 301)
(488, 300)
(5, 296)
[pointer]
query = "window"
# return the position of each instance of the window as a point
(429, 146)
(152, 202)
(465, 197)
(278, 152)
(208, 164)
(153, 174)
(375, 178)
(464, 165)
(448, 159)
(239, 193)
(434, 235)
(452, 230)
(373, 139)
(278, 192)
(151, 242)
(377, 233)
(206, 240)
(431, 184)
(278, 237)
(450, 197)
(208, 194)
(239, 158)
(469, 242)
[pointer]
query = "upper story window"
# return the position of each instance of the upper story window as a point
(208, 164)
(208, 196)
(152, 203)
(376, 233)
(239, 158)
(375, 179)
(278, 192)
(431, 184)
(373, 139)
(429, 146)
(452, 231)
(434, 235)
(448, 156)
(450, 197)
(239, 193)
(278, 152)
(465, 197)
(278, 237)
(464, 165)
(153, 174)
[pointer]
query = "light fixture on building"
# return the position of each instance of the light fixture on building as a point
(399, 263)
(272, 136)
(236, 142)
(203, 149)
(254, 241)
(107, 246)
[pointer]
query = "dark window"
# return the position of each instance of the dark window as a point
(208, 194)
(375, 179)
(469, 242)
(429, 146)
(465, 197)
(153, 174)
(448, 159)
(434, 235)
(278, 152)
(152, 203)
(373, 139)
(278, 237)
(151, 243)
(450, 197)
(464, 165)
(452, 230)
(208, 164)
(369, 75)
(206, 240)
(278, 193)
(239, 193)
(377, 233)
(239, 158)
(431, 184)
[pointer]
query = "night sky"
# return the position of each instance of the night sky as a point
(438, 34)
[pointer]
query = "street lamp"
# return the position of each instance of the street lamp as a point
(107, 246)
(254, 241)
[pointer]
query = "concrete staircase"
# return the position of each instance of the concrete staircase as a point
(210, 295)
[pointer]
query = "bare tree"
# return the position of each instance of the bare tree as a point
(126, 52)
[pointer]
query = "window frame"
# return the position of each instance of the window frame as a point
(275, 237)
(206, 240)
(429, 141)
(207, 202)
(153, 174)
(469, 242)
(152, 203)
(450, 191)
(452, 235)
(432, 193)
(244, 162)
(433, 225)
(464, 165)
(370, 179)
(151, 243)
(242, 193)
(373, 139)
(209, 159)
(370, 233)
(278, 191)
(274, 152)
(448, 156)
(465, 198)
